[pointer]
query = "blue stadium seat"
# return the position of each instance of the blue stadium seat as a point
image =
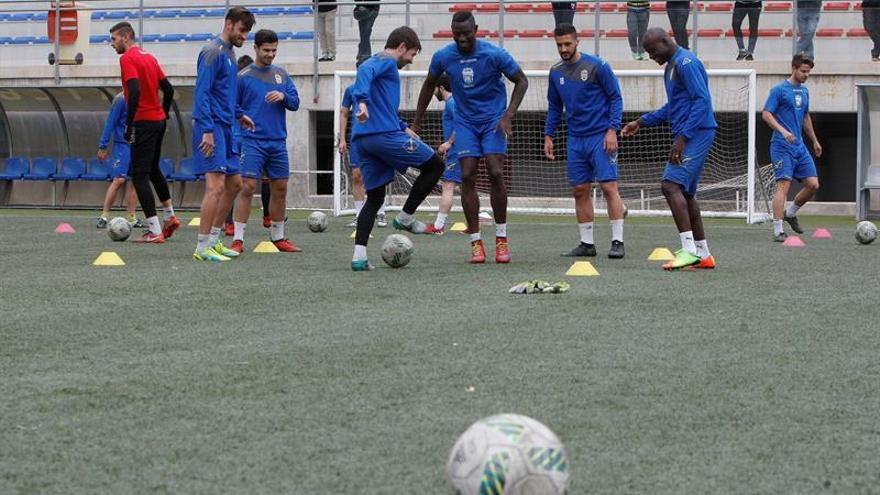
(216, 12)
(4, 17)
(172, 37)
(99, 38)
(72, 168)
(168, 14)
(98, 14)
(285, 35)
(98, 170)
(298, 10)
(150, 12)
(194, 13)
(20, 16)
(120, 14)
(24, 40)
(41, 40)
(166, 165)
(16, 167)
(5, 40)
(150, 38)
(40, 16)
(186, 172)
(269, 11)
(42, 168)
(199, 37)
(303, 35)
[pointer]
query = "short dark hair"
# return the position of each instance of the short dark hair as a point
(265, 36)
(244, 61)
(443, 82)
(463, 16)
(802, 59)
(565, 28)
(405, 35)
(241, 14)
(124, 28)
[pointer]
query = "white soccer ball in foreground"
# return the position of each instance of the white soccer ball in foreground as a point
(397, 250)
(318, 221)
(508, 454)
(866, 232)
(119, 229)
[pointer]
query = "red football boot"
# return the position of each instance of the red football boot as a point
(285, 246)
(502, 250)
(237, 246)
(478, 252)
(170, 226)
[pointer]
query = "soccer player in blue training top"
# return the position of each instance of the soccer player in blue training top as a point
(229, 228)
(689, 112)
(384, 144)
(119, 159)
(452, 174)
(484, 123)
(265, 93)
(787, 111)
(213, 114)
(346, 114)
(586, 89)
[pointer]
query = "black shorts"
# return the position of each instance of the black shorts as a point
(147, 147)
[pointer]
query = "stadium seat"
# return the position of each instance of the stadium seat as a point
(98, 170)
(857, 33)
(165, 38)
(298, 11)
(589, 33)
(20, 16)
(710, 33)
(303, 35)
(194, 13)
(166, 165)
(99, 38)
(836, 7)
(169, 14)
(617, 33)
(216, 12)
(508, 33)
(199, 37)
(186, 172)
(543, 7)
(534, 33)
(4, 17)
(41, 40)
(583, 7)
(72, 168)
(120, 14)
(24, 40)
(40, 16)
(830, 32)
(268, 11)
(15, 168)
(487, 7)
(518, 7)
(443, 34)
(98, 14)
(777, 6)
(719, 7)
(150, 38)
(611, 6)
(5, 40)
(482, 33)
(658, 6)
(42, 168)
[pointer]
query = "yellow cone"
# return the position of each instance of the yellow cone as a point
(458, 227)
(582, 269)
(108, 258)
(354, 234)
(195, 222)
(266, 247)
(661, 254)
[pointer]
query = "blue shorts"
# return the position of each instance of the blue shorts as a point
(791, 161)
(354, 161)
(452, 172)
(264, 158)
(477, 140)
(383, 154)
(588, 161)
(696, 150)
(219, 161)
(119, 160)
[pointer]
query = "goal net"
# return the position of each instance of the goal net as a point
(730, 185)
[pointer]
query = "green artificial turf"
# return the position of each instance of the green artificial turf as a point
(288, 373)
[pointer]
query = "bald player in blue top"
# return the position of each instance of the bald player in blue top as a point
(688, 111)
(483, 124)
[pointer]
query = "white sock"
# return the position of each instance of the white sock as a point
(500, 230)
(215, 235)
(239, 231)
(777, 227)
(153, 225)
(168, 211)
(440, 222)
(586, 229)
(357, 207)
(404, 218)
(792, 209)
(360, 252)
(204, 242)
(475, 237)
(617, 230)
(276, 230)
(702, 248)
(687, 242)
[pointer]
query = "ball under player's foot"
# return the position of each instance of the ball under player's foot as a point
(150, 238)
(502, 250)
(793, 221)
(361, 266)
(229, 229)
(478, 252)
(617, 250)
(381, 221)
(267, 222)
(432, 229)
(237, 246)
(208, 254)
(780, 237)
(222, 250)
(170, 226)
(582, 250)
(682, 259)
(415, 226)
(285, 246)
(101, 223)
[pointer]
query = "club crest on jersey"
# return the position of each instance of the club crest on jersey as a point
(798, 100)
(561, 80)
(467, 74)
(410, 145)
(585, 74)
(277, 78)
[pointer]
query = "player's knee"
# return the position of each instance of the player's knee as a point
(581, 190)
(609, 189)
(496, 174)
(247, 188)
(670, 188)
(356, 176)
(812, 184)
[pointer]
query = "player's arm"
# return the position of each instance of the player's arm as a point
(650, 119)
(291, 95)
(520, 86)
(445, 146)
(698, 91)
(167, 96)
(240, 97)
(360, 91)
(206, 74)
(344, 115)
(116, 111)
(555, 106)
(811, 133)
(771, 106)
(611, 88)
(425, 95)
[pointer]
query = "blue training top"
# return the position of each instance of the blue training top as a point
(589, 94)
(789, 104)
(475, 79)
(270, 119)
(115, 123)
(214, 99)
(689, 105)
(377, 85)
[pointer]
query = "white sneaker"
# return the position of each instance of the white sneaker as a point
(354, 223)
(381, 221)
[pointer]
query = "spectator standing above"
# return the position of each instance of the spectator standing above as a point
(678, 12)
(871, 21)
(637, 15)
(327, 29)
(563, 12)
(365, 13)
(741, 9)
(807, 20)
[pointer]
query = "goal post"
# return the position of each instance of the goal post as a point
(730, 185)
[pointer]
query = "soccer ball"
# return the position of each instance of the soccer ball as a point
(318, 221)
(119, 229)
(866, 232)
(397, 250)
(508, 454)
